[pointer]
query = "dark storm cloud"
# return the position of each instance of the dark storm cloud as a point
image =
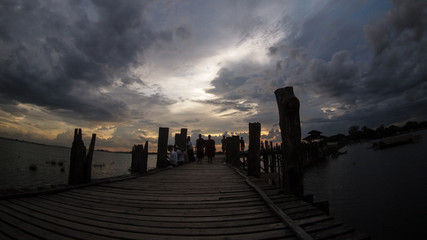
(62, 55)
(399, 43)
(371, 69)
(226, 81)
(183, 33)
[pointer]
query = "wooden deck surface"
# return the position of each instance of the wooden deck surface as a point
(194, 201)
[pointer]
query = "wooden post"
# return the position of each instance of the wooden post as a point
(266, 158)
(89, 157)
(145, 158)
(139, 158)
(177, 139)
(235, 151)
(290, 128)
(273, 160)
(162, 148)
(181, 138)
(228, 147)
(254, 167)
(183, 141)
(80, 163)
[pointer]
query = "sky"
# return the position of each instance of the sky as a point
(122, 69)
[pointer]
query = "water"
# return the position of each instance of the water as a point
(16, 158)
(380, 192)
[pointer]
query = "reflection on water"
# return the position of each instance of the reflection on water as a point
(381, 192)
(17, 157)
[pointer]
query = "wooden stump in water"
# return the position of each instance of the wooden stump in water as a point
(139, 158)
(80, 163)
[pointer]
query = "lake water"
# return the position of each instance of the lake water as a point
(16, 158)
(380, 192)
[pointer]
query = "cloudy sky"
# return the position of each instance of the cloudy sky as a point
(122, 69)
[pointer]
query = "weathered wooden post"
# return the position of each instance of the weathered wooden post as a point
(89, 158)
(289, 105)
(183, 141)
(235, 151)
(254, 167)
(139, 158)
(228, 147)
(80, 163)
(266, 158)
(162, 148)
(273, 160)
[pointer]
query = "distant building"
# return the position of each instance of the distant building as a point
(315, 136)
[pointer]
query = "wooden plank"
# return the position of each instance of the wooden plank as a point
(311, 220)
(306, 214)
(57, 223)
(320, 226)
(129, 219)
(10, 228)
(120, 207)
(161, 212)
(136, 202)
(181, 196)
(3, 236)
(333, 232)
(29, 224)
(50, 214)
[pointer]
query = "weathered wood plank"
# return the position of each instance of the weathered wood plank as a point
(100, 215)
(45, 230)
(10, 228)
(52, 215)
(156, 212)
(333, 232)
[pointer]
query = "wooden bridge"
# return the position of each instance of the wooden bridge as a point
(194, 201)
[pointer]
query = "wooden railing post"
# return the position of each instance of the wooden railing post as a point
(254, 167)
(162, 148)
(139, 158)
(235, 151)
(183, 140)
(290, 127)
(228, 147)
(80, 163)
(89, 157)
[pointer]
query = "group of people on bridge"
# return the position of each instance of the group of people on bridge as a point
(180, 154)
(204, 147)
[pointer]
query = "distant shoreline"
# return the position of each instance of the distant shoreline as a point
(35, 143)
(57, 146)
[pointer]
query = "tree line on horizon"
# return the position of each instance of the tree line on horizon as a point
(358, 134)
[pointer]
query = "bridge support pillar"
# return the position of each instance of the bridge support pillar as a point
(254, 167)
(139, 158)
(80, 163)
(162, 148)
(290, 127)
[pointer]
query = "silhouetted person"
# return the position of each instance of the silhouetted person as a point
(180, 155)
(173, 157)
(210, 149)
(200, 147)
(242, 144)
